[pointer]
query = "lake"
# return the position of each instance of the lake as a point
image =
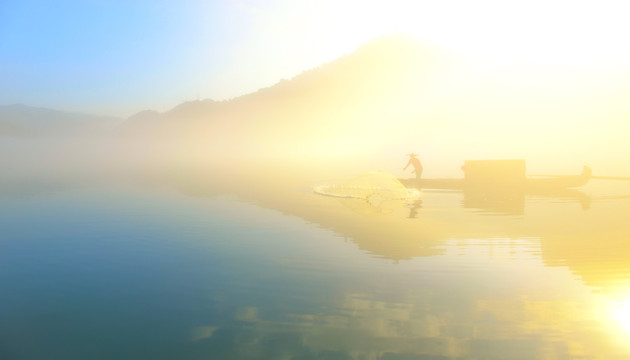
(188, 271)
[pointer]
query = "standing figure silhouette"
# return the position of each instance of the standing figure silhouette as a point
(415, 162)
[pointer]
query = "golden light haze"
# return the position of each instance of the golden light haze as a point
(562, 32)
(540, 80)
(544, 81)
(252, 221)
(397, 94)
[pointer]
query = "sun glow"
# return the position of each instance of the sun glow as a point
(622, 314)
(567, 32)
(540, 31)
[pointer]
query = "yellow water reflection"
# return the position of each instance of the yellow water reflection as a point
(506, 303)
(622, 315)
(540, 275)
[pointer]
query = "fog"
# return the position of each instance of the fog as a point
(362, 112)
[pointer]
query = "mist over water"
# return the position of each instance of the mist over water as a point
(197, 233)
(361, 112)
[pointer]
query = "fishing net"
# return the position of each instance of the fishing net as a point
(374, 187)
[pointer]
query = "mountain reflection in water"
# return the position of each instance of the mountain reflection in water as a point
(450, 275)
(550, 270)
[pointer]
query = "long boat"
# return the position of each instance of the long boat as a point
(501, 175)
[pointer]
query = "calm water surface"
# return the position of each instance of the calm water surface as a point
(174, 273)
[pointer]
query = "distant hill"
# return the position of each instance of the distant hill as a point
(23, 120)
(350, 97)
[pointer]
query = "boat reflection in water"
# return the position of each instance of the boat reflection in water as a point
(437, 277)
(500, 186)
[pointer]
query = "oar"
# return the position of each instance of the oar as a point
(611, 177)
(625, 178)
(613, 197)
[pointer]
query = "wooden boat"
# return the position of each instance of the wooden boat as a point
(501, 174)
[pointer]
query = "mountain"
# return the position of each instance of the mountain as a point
(23, 120)
(354, 96)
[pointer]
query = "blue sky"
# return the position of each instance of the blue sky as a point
(85, 54)
(119, 57)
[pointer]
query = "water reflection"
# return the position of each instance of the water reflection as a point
(439, 277)
(405, 313)
(437, 215)
(579, 238)
(622, 315)
(414, 206)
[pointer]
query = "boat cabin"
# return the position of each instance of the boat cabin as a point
(495, 172)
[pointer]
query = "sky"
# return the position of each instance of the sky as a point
(120, 57)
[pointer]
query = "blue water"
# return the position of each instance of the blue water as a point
(123, 273)
(120, 275)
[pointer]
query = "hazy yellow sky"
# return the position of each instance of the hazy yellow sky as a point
(306, 33)
(117, 58)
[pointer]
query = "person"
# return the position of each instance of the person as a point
(415, 162)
